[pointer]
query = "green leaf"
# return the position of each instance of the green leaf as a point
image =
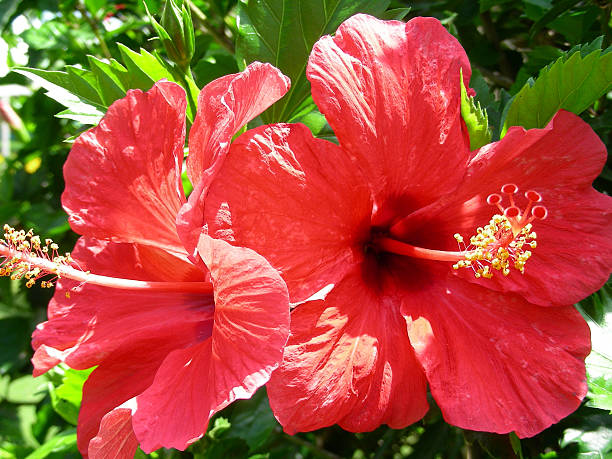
(60, 88)
(282, 32)
(515, 442)
(597, 310)
(395, 14)
(559, 7)
(573, 83)
(220, 427)
(66, 398)
(593, 443)
(88, 93)
(144, 69)
(26, 389)
(476, 119)
(64, 443)
(252, 420)
(110, 79)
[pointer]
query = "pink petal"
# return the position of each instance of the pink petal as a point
(116, 439)
(123, 176)
(298, 201)
(495, 362)
(574, 249)
(96, 321)
(224, 107)
(348, 362)
(124, 374)
(250, 330)
(391, 93)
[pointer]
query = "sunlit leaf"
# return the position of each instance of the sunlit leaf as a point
(476, 120)
(597, 309)
(66, 398)
(63, 443)
(26, 389)
(571, 84)
(282, 32)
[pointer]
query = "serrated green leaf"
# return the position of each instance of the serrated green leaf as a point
(475, 118)
(282, 32)
(52, 82)
(144, 68)
(84, 83)
(111, 78)
(88, 116)
(600, 391)
(572, 84)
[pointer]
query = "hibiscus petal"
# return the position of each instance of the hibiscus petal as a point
(123, 176)
(348, 361)
(126, 373)
(96, 321)
(495, 362)
(250, 331)
(574, 241)
(224, 107)
(116, 438)
(391, 93)
(293, 199)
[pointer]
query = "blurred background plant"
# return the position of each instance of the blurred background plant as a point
(84, 54)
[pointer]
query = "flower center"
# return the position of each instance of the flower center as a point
(24, 256)
(500, 245)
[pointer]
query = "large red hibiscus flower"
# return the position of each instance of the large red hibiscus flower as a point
(175, 337)
(375, 222)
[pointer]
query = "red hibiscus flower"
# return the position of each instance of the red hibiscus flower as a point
(175, 337)
(374, 221)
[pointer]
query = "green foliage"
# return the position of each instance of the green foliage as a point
(597, 310)
(475, 118)
(176, 33)
(66, 397)
(282, 32)
(83, 53)
(572, 83)
(87, 93)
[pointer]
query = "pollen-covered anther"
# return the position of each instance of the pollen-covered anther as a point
(21, 254)
(504, 242)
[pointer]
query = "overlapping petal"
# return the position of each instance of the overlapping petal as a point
(391, 93)
(95, 321)
(123, 176)
(116, 439)
(224, 107)
(495, 362)
(298, 201)
(348, 361)
(250, 330)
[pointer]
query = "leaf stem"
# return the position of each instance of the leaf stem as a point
(94, 27)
